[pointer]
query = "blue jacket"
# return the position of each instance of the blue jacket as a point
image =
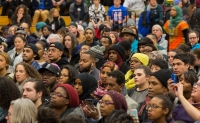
(195, 46)
(47, 5)
(134, 46)
(10, 40)
(35, 65)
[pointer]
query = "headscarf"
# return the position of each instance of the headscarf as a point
(101, 90)
(89, 84)
(72, 94)
(118, 100)
(175, 20)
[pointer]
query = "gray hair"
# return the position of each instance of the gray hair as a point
(23, 111)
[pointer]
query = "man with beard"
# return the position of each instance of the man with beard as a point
(127, 34)
(87, 64)
(30, 55)
(89, 35)
(33, 89)
(50, 75)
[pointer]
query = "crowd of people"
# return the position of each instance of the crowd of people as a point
(104, 67)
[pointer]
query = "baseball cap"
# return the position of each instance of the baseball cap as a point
(35, 50)
(52, 67)
(57, 45)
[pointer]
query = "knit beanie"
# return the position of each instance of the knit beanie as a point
(163, 76)
(118, 49)
(98, 51)
(90, 28)
(72, 94)
(176, 2)
(197, 3)
(142, 57)
(119, 100)
(39, 25)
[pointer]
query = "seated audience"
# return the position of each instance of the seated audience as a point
(68, 75)
(54, 20)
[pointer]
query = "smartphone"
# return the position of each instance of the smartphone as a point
(174, 78)
(134, 113)
(89, 103)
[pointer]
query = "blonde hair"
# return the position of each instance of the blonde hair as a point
(23, 111)
(7, 58)
(50, 17)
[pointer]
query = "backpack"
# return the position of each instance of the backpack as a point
(145, 23)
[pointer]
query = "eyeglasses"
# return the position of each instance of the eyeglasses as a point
(52, 50)
(57, 95)
(153, 107)
(192, 38)
(105, 102)
(48, 74)
(133, 61)
(197, 84)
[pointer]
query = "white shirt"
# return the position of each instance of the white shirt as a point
(134, 4)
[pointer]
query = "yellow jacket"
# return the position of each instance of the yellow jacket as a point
(129, 80)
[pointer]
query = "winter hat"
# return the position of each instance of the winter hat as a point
(39, 25)
(119, 49)
(163, 76)
(80, 27)
(197, 3)
(118, 100)
(98, 51)
(176, 2)
(90, 28)
(73, 24)
(160, 28)
(72, 95)
(142, 57)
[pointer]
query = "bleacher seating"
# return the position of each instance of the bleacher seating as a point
(5, 21)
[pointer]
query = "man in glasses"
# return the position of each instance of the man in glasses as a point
(50, 74)
(55, 54)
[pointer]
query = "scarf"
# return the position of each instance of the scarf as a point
(76, 12)
(149, 7)
(178, 18)
(119, 61)
(147, 100)
(89, 84)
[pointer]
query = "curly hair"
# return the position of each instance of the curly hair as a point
(23, 7)
(8, 92)
(47, 115)
(31, 72)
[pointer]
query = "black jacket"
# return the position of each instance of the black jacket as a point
(62, 62)
(58, 23)
(195, 20)
(124, 68)
(15, 3)
(26, 18)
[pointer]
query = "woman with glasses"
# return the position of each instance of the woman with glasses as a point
(68, 74)
(112, 100)
(65, 101)
(24, 71)
(188, 110)
(160, 108)
(136, 60)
